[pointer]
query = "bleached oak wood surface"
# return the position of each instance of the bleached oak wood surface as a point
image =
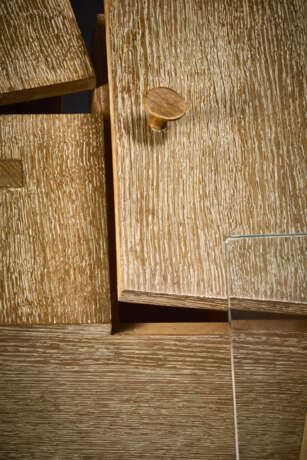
(268, 274)
(42, 51)
(53, 235)
(233, 165)
(75, 393)
(270, 368)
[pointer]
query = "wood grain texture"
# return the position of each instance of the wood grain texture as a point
(100, 95)
(234, 165)
(303, 453)
(271, 399)
(42, 51)
(11, 173)
(74, 393)
(268, 274)
(53, 236)
(184, 329)
(162, 105)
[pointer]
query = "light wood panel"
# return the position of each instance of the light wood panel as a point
(73, 392)
(53, 233)
(270, 368)
(42, 51)
(268, 274)
(235, 164)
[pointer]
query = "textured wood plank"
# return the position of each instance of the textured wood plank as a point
(42, 51)
(233, 165)
(185, 329)
(100, 96)
(303, 454)
(72, 393)
(11, 173)
(53, 234)
(271, 399)
(268, 274)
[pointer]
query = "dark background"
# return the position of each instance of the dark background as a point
(85, 12)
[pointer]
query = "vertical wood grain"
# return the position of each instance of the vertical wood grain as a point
(54, 266)
(75, 393)
(268, 274)
(42, 51)
(235, 164)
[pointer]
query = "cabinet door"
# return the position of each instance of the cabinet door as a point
(42, 51)
(268, 310)
(53, 232)
(233, 165)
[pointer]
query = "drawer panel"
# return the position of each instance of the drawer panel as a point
(54, 265)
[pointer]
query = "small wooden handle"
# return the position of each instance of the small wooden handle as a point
(163, 105)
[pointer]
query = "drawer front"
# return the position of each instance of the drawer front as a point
(53, 231)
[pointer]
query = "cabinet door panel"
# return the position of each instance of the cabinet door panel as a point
(233, 165)
(42, 51)
(53, 232)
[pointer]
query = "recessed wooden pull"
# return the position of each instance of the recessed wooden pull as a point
(163, 105)
(11, 173)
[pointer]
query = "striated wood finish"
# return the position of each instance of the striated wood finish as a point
(303, 453)
(100, 95)
(53, 235)
(270, 368)
(233, 165)
(73, 393)
(268, 274)
(11, 173)
(42, 51)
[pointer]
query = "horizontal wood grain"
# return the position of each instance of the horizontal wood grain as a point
(162, 329)
(273, 325)
(268, 274)
(54, 266)
(234, 165)
(303, 453)
(42, 51)
(11, 173)
(75, 393)
(270, 369)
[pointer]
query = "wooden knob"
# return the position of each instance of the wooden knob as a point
(163, 105)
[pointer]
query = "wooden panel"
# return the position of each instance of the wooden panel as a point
(303, 454)
(53, 234)
(11, 173)
(271, 400)
(42, 51)
(268, 274)
(100, 96)
(75, 393)
(233, 165)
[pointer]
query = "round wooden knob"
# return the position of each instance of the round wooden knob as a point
(163, 105)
